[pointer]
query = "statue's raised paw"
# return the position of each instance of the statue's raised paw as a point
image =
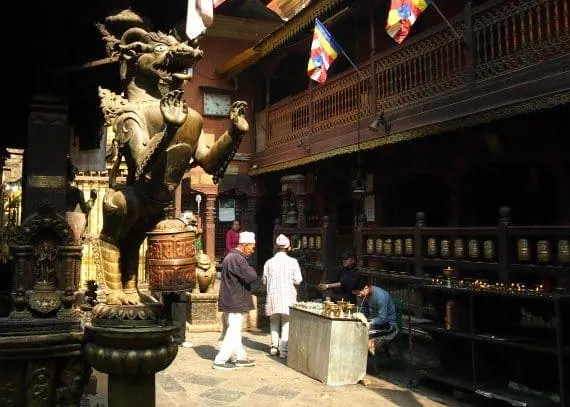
(173, 108)
(237, 117)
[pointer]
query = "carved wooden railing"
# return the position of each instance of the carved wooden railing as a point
(401, 259)
(426, 66)
(503, 253)
(516, 34)
(498, 37)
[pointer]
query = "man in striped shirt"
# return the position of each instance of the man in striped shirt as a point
(280, 275)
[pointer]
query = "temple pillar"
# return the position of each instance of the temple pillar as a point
(209, 231)
(249, 218)
(284, 206)
(301, 209)
(45, 165)
(202, 183)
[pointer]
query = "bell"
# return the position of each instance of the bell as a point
(291, 219)
(380, 120)
(358, 189)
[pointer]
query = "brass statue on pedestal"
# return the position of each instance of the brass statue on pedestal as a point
(159, 136)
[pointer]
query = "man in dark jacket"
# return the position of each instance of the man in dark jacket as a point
(345, 280)
(235, 299)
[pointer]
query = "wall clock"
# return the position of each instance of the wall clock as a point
(216, 103)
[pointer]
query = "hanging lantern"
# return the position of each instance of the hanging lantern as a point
(358, 189)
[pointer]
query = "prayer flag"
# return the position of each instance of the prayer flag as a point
(324, 51)
(402, 15)
(199, 16)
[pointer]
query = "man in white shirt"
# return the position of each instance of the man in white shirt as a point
(280, 275)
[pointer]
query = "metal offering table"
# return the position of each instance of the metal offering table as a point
(332, 350)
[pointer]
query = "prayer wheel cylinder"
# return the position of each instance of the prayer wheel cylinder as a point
(171, 257)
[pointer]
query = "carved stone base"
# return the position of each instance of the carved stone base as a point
(202, 312)
(130, 343)
(41, 369)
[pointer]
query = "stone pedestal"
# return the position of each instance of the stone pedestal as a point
(41, 363)
(202, 312)
(130, 343)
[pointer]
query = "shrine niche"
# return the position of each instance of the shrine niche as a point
(41, 340)
(46, 267)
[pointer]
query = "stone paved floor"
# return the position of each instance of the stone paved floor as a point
(191, 381)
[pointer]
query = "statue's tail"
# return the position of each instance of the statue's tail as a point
(110, 265)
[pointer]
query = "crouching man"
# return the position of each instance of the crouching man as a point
(376, 304)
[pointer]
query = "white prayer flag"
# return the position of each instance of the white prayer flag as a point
(199, 16)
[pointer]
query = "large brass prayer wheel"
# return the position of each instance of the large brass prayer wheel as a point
(171, 256)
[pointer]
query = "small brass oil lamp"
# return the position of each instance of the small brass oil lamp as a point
(448, 272)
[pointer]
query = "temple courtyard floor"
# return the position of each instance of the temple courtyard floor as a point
(191, 381)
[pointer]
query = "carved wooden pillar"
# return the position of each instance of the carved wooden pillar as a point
(284, 206)
(250, 221)
(210, 226)
(301, 200)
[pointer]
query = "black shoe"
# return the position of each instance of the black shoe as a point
(224, 366)
(245, 363)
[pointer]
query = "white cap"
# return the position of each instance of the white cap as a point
(247, 238)
(282, 242)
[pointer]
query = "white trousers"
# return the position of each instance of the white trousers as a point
(231, 345)
(279, 322)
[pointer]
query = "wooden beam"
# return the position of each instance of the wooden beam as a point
(241, 28)
(87, 65)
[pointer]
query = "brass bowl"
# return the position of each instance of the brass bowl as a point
(448, 271)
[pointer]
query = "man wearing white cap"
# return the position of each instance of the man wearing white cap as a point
(280, 274)
(235, 299)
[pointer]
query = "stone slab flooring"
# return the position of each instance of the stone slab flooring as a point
(191, 381)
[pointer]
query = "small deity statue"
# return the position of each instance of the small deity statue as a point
(45, 254)
(205, 275)
(91, 293)
(77, 209)
(160, 138)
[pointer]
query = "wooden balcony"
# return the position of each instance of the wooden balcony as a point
(505, 51)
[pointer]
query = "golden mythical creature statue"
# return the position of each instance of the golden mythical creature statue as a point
(205, 275)
(159, 137)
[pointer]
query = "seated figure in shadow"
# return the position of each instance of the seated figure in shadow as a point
(377, 305)
(344, 281)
